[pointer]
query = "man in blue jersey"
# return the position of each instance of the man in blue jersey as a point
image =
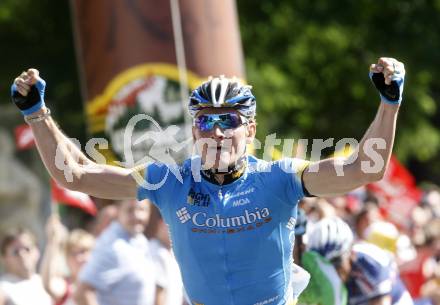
(231, 216)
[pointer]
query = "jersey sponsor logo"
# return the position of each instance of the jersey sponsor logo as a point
(202, 220)
(291, 223)
(203, 223)
(250, 227)
(183, 215)
(198, 199)
(241, 193)
(240, 202)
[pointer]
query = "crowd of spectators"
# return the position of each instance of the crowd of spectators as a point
(414, 240)
(113, 264)
(127, 253)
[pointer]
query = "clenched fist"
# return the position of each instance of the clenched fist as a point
(27, 92)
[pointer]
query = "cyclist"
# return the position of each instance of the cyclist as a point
(230, 215)
(342, 272)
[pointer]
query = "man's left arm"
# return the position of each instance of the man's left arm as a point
(336, 176)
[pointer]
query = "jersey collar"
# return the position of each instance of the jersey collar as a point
(233, 173)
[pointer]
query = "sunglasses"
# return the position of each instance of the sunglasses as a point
(206, 122)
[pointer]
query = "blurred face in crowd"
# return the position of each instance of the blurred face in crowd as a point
(133, 215)
(366, 217)
(219, 147)
(344, 266)
(21, 256)
(105, 217)
(79, 247)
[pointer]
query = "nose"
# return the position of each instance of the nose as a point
(217, 132)
(22, 253)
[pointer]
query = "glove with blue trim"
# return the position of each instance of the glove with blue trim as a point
(27, 92)
(388, 76)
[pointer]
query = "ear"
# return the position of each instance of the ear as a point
(251, 129)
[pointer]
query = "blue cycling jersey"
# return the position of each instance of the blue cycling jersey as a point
(233, 242)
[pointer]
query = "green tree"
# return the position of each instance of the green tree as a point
(308, 62)
(39, 34)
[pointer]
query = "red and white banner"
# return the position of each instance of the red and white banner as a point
(80, 200)
(399, 191)
(24, 137)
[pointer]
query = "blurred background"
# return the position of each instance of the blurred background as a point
(308, 63)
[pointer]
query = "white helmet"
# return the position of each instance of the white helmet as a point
(331, 237)
(223, 92)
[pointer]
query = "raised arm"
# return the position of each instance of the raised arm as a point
(53, 281)
(368, 163)
(64, 161)
(85, 295)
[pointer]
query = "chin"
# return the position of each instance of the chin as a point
(139, 229)
(222, 160)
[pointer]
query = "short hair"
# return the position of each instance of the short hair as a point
(79, 238)
(12, 235)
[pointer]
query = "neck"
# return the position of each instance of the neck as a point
(233, 172)
(21, 275)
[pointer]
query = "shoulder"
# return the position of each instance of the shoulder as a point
(159, 173)
(319, 265)
(287, 165)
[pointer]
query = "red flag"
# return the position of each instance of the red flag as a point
(24, 137)
(72, 198)
(399, 189)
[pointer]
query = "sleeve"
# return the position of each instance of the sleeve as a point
(288, 182)
(101, 271)
(156, 183)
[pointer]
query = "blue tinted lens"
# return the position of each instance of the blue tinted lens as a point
(206, 122)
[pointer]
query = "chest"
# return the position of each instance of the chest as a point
(233, 220)
(26, 292)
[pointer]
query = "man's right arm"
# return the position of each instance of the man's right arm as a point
(66, 163)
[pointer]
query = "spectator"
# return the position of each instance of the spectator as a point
(157, 230)
(431, 267)
(105, 217)
(431, 289)
(120, 270)
(368, 215)
(21, 285)
(77, 250)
